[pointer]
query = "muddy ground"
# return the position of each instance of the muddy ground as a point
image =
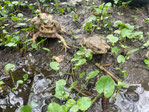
(41, 84)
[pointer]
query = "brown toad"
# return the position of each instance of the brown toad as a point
(46, 26)
(95, 44)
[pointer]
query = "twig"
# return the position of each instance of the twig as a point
(110, 74)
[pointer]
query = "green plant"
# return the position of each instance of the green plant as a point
(8, 68)
(104, 85)
(54, 65)
(81, 57)
(146, 61)
(99, 19)
(75, 17)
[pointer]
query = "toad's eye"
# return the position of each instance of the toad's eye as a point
(42, 28)
(38, 16)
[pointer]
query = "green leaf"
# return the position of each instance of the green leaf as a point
(72, 85)
(54, 65)
(117, 23)
(80, 62)
(46, 49)
(120, 59)
(84, 103)
(54, 107)
(115, 49)
(11, 44)
(20, 82)
(25, 77)
(74, 108)
(146, 44)
(26, 108)
(91, 18)
(82, 74)
(123, 85)
(61, 82)
(92, 74)
(60, 91)
(132, 51)
(125, 32)
(80, 53)
(64, 108)
(105, 84)
(1, 83)
(88, 55)
(70, 103)
(20, 15)
(61, 10)
(146, 61)
(112, 38)
(9, 67)
(15, 18)
(75, 16)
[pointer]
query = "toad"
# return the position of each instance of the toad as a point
(46, 26)
(95, 44)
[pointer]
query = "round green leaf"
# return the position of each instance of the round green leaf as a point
(64, 108)
(70, 103)
(61, 82)
(84, 103)
(54, 107)
(54, 65)
(20, 82)
(9, 67)
(105, 84)
(120, 59)
(112, 38)
(74, 108)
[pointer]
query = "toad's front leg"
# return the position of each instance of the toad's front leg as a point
(63, 40)
(35, 36)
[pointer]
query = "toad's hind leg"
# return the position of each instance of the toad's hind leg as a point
(63, 40)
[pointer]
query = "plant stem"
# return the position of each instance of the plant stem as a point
(117, 93)
(11, 75)
(95, 98)
(81, 89)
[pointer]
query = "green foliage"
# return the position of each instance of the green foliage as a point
(20, 81)
(120, 59)
(54, 107)
(54, 65)
(1, 83)
(102, 20)
(26, 109)
(84, 103)
(122, 85)
(60, 91)
(81, 57)
(113, 39)
(25, 77)
(92, 74)
(9, 67)
(105, 84)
